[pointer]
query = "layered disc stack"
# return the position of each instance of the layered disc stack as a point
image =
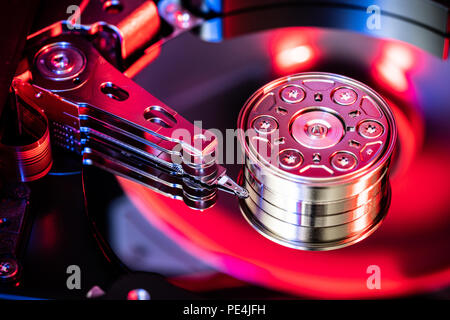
(317, 148)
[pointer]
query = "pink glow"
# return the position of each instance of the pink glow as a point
(292, 51)
(394, 65)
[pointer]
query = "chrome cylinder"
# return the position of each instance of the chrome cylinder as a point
(317, 148)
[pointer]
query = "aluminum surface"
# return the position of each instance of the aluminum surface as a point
(317, 173)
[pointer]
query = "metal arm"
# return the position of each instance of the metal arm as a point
(117, 125)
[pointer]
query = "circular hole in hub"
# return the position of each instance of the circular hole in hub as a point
(317, 129)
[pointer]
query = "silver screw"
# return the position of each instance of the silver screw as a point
(292, 94)
(370, 129)
(290, 158)
(59, 61)
(345, 96)
(343, 161)
(265, 124)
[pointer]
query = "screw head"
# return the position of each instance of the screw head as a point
(343, 161)
(265, 124)
(8, 268)
(370, 129)
(345, 96)
(292, 94)
(290, 158)
(60, 61)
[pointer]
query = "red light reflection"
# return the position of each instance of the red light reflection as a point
(411, 132)
(292, 52)
(394, 65)
(408, 247)
(293, 57)
(393, 76)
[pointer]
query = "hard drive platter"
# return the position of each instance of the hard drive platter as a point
(210, 150)
(211, 81)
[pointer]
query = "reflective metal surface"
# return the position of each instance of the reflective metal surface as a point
(116, 125)
(212, 81)
(60, 61)
(316, 156)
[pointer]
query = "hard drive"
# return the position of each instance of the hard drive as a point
(229, 149)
